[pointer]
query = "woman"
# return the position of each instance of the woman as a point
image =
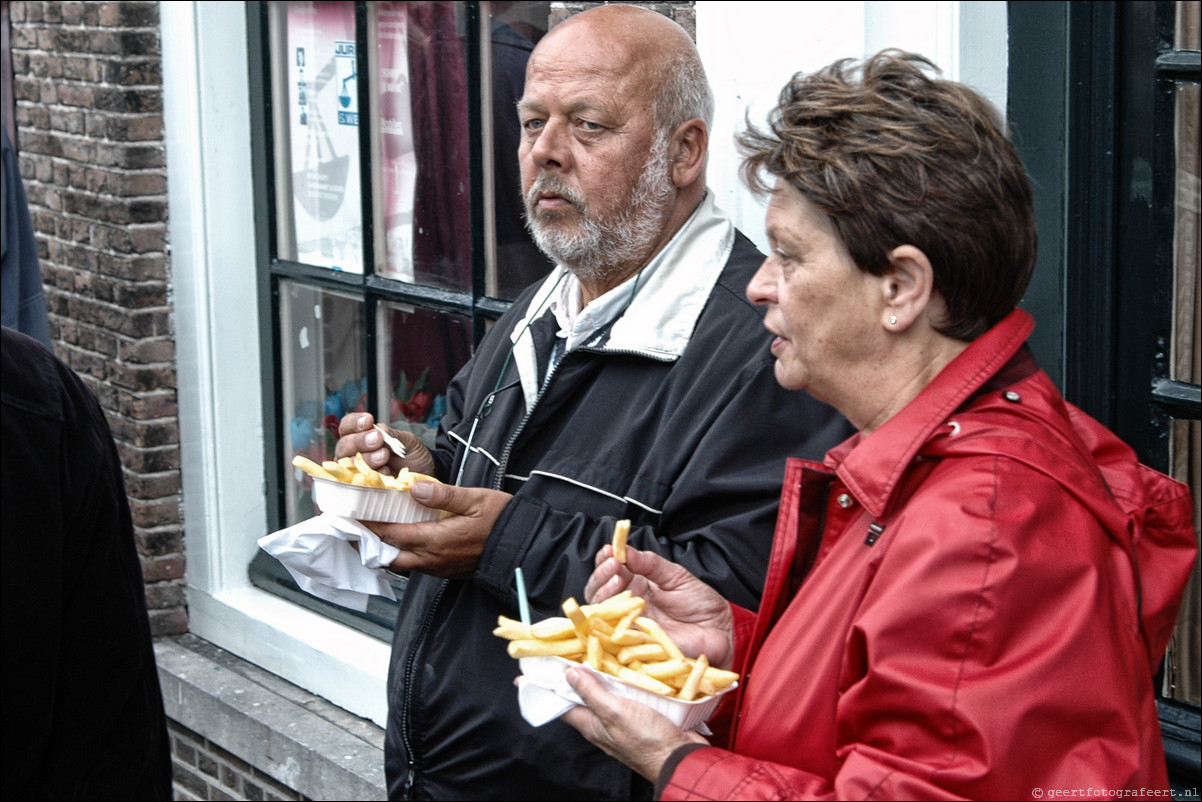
(970, 596)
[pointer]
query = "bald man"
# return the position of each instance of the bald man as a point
(635, 382)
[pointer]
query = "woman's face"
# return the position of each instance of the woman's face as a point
(824, 310)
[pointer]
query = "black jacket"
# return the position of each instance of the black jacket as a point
(82, 711)
(689, 446)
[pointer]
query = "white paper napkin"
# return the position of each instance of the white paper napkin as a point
(319, 555)
(541, 699)
(544, 695)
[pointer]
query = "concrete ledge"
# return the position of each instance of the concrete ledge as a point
(292, 736)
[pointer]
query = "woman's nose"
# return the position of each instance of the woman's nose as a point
(761, 288)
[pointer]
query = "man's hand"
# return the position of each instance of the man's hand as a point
(692, 612)
(635, 734)
(449, 548)
(357, 434)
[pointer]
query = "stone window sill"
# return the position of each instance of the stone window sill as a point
(298, 739)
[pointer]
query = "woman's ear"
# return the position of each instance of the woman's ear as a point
(908, 287)
(686, 152)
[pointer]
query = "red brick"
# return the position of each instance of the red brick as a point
(156, 569)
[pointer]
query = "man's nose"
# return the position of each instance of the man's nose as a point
(550, 148)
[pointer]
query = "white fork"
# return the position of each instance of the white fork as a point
(396, 445)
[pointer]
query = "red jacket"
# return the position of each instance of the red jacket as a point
(994, 584)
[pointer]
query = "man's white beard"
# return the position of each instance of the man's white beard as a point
(597, 248)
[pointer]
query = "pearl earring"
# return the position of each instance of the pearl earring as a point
(893, 320)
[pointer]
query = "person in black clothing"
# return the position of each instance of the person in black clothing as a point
(633, 382)
(82, 708)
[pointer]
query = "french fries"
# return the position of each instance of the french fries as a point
(355, 471)
(615, 638)
(621, 533)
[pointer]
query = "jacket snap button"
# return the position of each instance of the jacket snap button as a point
(1011, 396)
(844, 500)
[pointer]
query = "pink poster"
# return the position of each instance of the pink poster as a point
(324, 127)
(397, 168)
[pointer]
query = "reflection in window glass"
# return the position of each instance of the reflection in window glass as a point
(1189, 26)
(516, 28)
(421, 181)
(420, 351)
(317, 173)
(395, 154)
(1182, 662)
(322, 379)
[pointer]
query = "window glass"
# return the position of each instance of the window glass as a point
(514, 30)
(1188, 35)
(421, 182)
(322, 378)
(420, 351)
(399, 231)
(1181, 676)
(317, 165)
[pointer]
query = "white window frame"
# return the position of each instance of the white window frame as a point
(206, 119)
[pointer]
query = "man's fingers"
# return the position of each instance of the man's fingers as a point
(437, 496)
(353, 422)
(358, 435)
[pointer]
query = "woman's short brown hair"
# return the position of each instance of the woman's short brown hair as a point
(897, 156)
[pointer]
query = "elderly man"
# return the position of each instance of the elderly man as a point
(634, 382)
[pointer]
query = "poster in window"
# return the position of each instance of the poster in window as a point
(324, 111)
(397, 174)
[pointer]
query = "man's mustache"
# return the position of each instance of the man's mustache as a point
(549, 184)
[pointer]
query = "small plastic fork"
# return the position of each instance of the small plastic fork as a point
(396, 445)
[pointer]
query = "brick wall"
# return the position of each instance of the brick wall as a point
(88, 90)
(203, 770)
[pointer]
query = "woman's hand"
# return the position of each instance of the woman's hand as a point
(635, 734)
(690, 611)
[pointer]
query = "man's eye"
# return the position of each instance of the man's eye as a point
(533, 125)
(588, 125)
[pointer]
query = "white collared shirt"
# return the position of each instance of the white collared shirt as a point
(652, 312)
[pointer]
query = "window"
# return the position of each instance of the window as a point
(1158, 401)
(1104, 100)
(1182, 681)
(395, 229)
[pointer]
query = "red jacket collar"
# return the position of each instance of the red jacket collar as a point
(872, 473)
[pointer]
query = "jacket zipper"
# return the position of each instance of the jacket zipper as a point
(406, 725)
(801, 572)
(499, 480)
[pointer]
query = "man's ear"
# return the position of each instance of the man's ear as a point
(908, 287)
(686, 152)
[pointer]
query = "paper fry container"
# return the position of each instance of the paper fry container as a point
(364, 503)
(549, 673)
